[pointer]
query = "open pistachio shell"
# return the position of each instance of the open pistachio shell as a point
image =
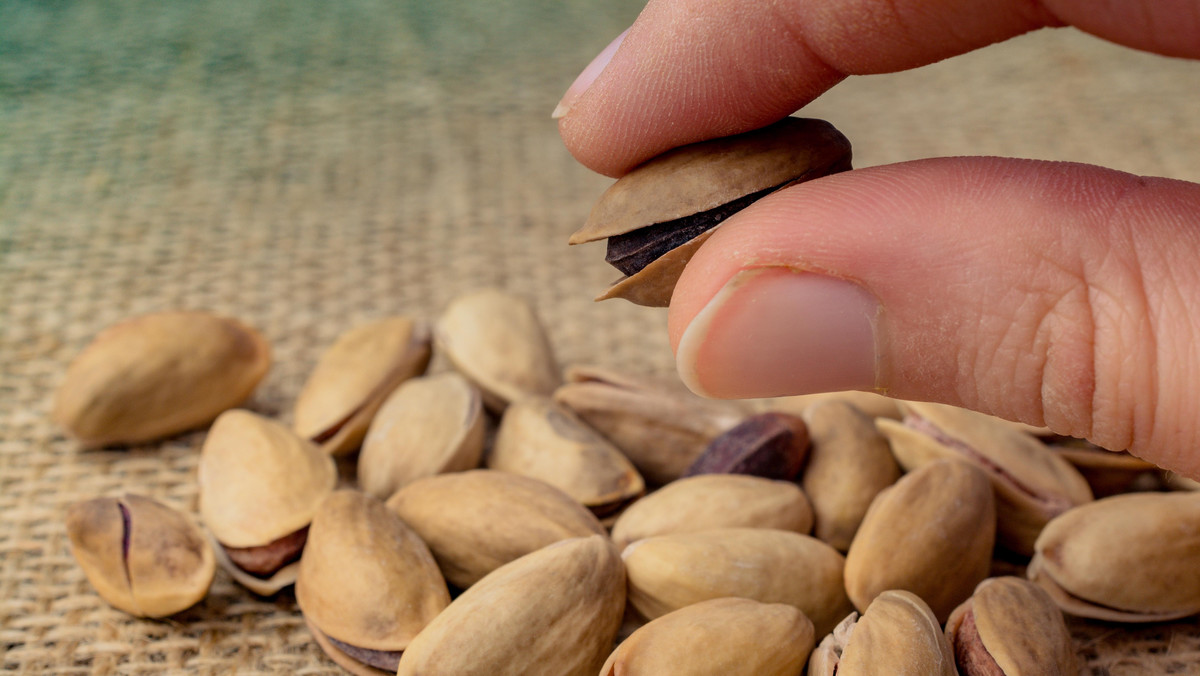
(718, 638)
(554, 611)
(930, 533)
(355, 375)
(1125, 558)
(1107, 472)
(142, 557)
(157, 375)
(870, 404)
(428, 426)
(896, 636)
(1011, 627)
(495, 339)
(709, 501)
(366, 579)
(668, 572)
(544, 440)
(476, 521)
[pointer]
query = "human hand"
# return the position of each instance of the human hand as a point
(1052, 293)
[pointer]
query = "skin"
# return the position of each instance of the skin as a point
(1053, 293)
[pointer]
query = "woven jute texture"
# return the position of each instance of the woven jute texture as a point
(307, 166)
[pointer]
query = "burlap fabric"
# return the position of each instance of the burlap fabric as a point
(306, 166)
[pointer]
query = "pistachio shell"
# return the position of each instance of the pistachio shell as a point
(1107, 472)
(896, 636)
(930, 533)
(870, 404)
(157, 375)
(355, 375)
(496, 341)
(719, 637)
(849, 463)
(1125, 558)
(668, 572)
(428, 426)
(263, 586)
(543, 440)
(142, 557)
(653, 285)
(553, 612)
(661, 427)
(1011, 625)
(709, 501)
(366, 578)
(476, 521)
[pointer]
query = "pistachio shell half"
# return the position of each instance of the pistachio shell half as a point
(896, 636)
(476, 521)
(554, 612)
(355, 375)
(1011, 627)
(157, 375)
(428, 426)
(141, 556)
(718, 637)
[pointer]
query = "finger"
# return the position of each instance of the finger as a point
(1058, 294)
(689, 70)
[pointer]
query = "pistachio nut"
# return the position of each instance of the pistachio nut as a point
(654, 215)
(496, 341)
(708, 501)
(1106, 472)
(668, 572)
(554, 611)
(849, 463)
(1032, 484)
(476, 521)
(157, 375)
(897, 635)
(355, 375)
(1178, 482)
(1124, 558)
(544, 440)
(260, 485)
(870, 404)
(140, 555)
(718, 637)
(367, 582)
(429, 425)
(769, 445)
(662, 428)
(930, 533)
(1011, 627)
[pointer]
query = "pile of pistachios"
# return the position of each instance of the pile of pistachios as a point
(507, 517)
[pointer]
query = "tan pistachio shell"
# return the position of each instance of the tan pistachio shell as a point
(930, 533)
(546, 441)
(1125, 558)
(849, 463)
(476, 521)
(355, 375)
(898, 635)
(708, 501)
(653, 285)
(495, 339)
(258, 480)
(718, 637)
(140, 555)
(870, 404)
(1178, 482)
(661, 427)
(1013, 625)
(429, 425)
(366, 578)
(1032, 484)
(1107, 472)
(553, 612)
(668, 572)
(157, 375)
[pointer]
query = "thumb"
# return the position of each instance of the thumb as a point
(1056, 294)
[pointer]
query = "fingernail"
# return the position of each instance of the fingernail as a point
(587, 77)
(774, 331)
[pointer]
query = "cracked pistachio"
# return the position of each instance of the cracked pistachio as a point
(1010, 627)
(897, 635)
(769, 445)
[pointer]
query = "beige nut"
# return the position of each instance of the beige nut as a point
(931, 533)
(896, 636)
(141, 556)
(476, 521)
(554, 611)
(428, 426)
(354, 376)
(718, 637)
(870, 404)
(1011, 627)
(157, 375)
(1107, 472)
